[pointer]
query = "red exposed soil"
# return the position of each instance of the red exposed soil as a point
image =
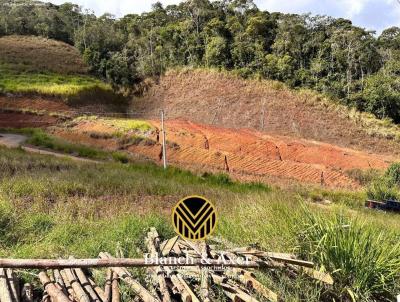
(30, 103)
(245, 154)
(219, 99)
(19, 120)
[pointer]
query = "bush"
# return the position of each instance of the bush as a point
(393, 173)
(381, 189)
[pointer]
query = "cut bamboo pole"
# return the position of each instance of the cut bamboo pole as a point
(178, 286)
(152, 241)
(248, 279)
(5, 294)
(135, 285)
(27, 293)
(233, 291)
(107, 288)
(168, 245)
(259, 287)
(187, 287)
(84, 281)
(68, 285)
(123, 262)
(53, 291)
(13, 284)
(314, 274)
(279, 257)
(115, 294)
(46, 297)
(99, 291)
(205, 276)
(80, 293)
(59, 281)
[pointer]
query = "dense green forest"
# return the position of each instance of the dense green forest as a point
(329, 55)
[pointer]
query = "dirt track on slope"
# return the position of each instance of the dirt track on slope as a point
(243, 153)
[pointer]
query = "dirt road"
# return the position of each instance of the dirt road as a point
(12, 140)
(17, 140)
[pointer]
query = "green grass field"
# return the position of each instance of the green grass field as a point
(65, 86)
(52, 207)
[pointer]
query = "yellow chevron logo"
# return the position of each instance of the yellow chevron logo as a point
(194, 218)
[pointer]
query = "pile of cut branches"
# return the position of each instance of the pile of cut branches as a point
(206, 273)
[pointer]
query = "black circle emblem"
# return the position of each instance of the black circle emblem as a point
(194, 218)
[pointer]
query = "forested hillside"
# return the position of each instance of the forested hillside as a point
(332, 56)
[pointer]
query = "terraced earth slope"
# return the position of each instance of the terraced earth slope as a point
(225, 100)
(243, 153)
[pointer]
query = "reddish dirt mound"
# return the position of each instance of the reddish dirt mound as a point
(245, 154)
(219, 99)
(19, 120)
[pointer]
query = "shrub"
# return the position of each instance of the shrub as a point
(393, 173)
(381, 189)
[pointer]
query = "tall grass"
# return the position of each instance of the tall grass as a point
(364, 261)
(53, 207)
(72, 88)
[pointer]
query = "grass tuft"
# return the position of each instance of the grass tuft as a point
(365, 262)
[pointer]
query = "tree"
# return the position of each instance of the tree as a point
(217, 52)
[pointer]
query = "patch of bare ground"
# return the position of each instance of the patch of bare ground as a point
(33, 103)
(21, 120)
(221, 99)
(245, 154)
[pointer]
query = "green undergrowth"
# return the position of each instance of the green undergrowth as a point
(38, 137)
(73, 88)
(53, 207)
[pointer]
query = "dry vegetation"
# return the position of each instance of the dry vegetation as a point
(224, 99)
(35, 53)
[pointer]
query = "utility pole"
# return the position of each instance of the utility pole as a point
(164, 149)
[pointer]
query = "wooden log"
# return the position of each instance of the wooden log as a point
(107, 287)
(314, 274)
(115, 294)
(152, 242)
(13, 284)
(139, 290)
(279, 257)
(60, 282)
(68, 285)
(5, 294)
(80, 293)
(46, 297)
(99, 291)
(167, 246)
(188, 289)
(248, 278)
(85, 283)
(27, 293)
(121, 262)
(228, 290)
(53, 291)
(178, 287)
(205, 275)
(233, 291)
